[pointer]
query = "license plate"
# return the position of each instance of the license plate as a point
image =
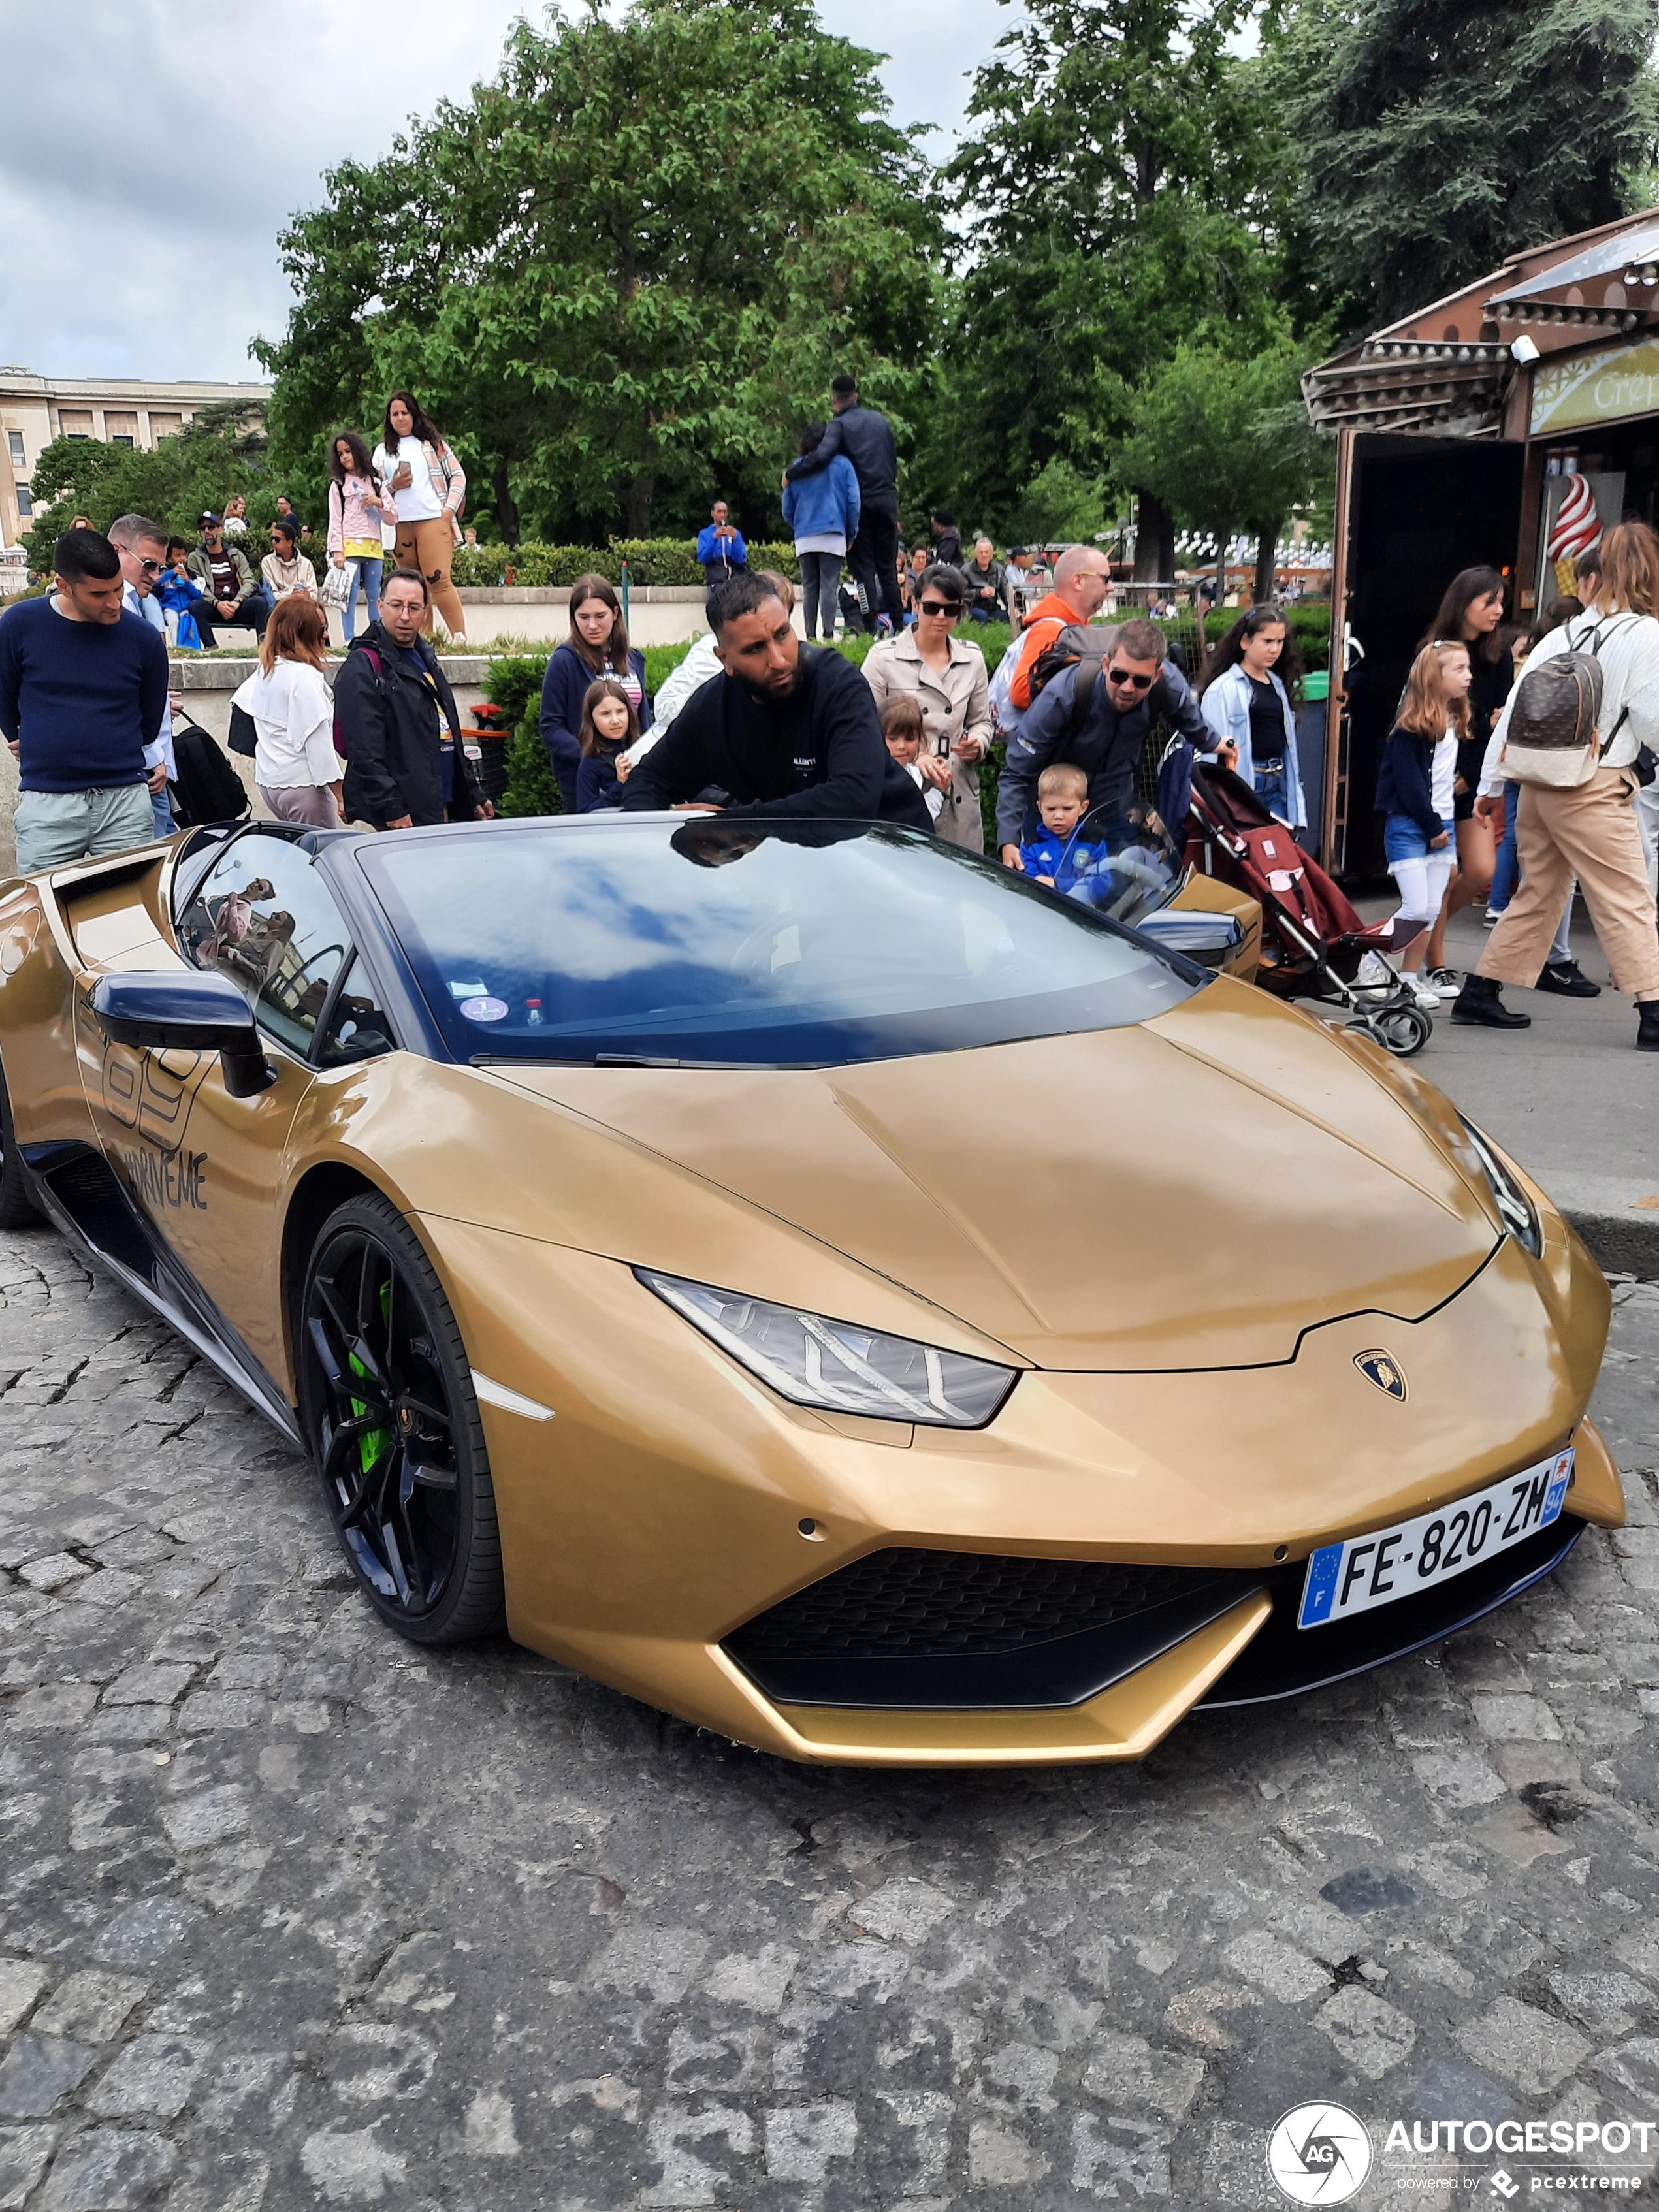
(1344, 1579)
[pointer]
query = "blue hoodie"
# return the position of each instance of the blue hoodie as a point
(825, 504)
(718, 556)
(1053, 855)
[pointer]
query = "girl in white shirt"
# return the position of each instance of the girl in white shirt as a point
(295, 766)
(424, 490)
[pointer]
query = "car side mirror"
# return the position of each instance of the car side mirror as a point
(186, 1013)
(1206, 937)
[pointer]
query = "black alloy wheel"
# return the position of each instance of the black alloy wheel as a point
(17, 1207)
(391, 1417)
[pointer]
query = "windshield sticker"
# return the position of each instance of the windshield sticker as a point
(484, 1010)
(477, 990)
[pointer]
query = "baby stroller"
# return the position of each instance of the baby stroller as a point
(1314, 945)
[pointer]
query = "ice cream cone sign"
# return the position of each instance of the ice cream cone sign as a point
(1576, 527)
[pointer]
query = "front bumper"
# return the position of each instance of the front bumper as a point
(674, 1501)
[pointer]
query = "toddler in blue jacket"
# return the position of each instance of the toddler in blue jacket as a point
(1053, 858)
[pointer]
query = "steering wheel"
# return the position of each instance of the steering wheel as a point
(753, 955)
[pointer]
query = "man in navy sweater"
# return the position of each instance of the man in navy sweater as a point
(83, 687)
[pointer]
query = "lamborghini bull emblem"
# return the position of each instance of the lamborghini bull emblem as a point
(1382, 1368)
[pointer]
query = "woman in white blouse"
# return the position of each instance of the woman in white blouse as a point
(295, 766)
(424, 490)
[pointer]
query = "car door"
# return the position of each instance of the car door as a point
(206, 1167)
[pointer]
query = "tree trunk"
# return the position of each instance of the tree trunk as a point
(1266, 545)
(1154, 540)
(506, 507)
(639, 504)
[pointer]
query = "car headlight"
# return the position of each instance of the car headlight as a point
(1515, 1209)
(833, 1364)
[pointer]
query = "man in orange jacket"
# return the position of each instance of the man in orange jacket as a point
(1082, 578)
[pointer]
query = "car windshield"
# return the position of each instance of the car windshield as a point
(713, 942)
(1118, 859)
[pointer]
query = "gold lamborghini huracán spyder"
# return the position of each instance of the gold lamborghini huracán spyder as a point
(825, 1286)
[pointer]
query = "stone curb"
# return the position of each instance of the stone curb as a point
(1619, 1245)
(558, 595)
(189, 674)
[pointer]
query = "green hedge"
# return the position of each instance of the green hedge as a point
(650, 560)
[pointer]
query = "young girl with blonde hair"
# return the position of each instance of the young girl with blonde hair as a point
(1414, 793)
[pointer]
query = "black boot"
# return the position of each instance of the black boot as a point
(1567, 980)
(1481, 1001)
(1647, 1026)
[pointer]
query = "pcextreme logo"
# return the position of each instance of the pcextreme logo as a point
(1319, 2153)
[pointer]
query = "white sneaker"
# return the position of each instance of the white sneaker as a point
(1492, 918)
(1424, 993)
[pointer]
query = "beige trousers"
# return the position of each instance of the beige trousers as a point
(426, 546)
(1589, 832)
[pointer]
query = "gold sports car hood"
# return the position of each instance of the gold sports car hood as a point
(1191, 1193)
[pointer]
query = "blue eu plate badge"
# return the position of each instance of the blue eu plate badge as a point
(1350, 1578)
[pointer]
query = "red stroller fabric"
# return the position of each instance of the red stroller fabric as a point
(1311, 935)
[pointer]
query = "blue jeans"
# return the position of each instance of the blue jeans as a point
(161, 808)
(1506, 874)
(1273, 789)
(368, 574)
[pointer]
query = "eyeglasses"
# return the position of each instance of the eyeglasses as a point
(151, 568)
(1125, 682)
(940, 607)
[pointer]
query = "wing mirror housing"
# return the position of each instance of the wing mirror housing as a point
(1207, 939)
(171, 1011)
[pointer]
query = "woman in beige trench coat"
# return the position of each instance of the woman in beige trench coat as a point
(947, 676)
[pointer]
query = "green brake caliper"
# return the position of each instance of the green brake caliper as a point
(373, 1444)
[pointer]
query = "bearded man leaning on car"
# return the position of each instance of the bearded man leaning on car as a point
(785, 731)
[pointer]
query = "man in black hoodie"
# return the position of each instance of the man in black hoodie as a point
(406, 766)
(865, 437)
(787, 730)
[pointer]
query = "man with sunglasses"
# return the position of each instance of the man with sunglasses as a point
(1097, 715)
(141, 547)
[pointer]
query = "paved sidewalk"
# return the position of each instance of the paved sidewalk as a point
(1571, 1098)
(294, 1915)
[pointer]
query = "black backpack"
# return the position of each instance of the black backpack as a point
(207, 787)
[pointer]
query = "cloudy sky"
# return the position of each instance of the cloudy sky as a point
(150, 157)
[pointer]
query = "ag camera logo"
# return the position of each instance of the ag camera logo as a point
(1319, 2153)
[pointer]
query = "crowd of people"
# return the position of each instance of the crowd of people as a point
(1475, 808)
(399, 507)
(752, 721)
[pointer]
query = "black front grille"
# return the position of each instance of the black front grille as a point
(942, 1605)
(960, 1629)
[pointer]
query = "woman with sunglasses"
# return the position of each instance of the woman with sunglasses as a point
(947, 677)
(1246, 699)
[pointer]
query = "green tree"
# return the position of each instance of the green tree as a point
(1437, 136)
(1118, 181)
(1225, 444)
(623, 269)
(221, 452)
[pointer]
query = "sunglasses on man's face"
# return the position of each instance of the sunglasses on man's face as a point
(1125, 682)
(151, 568)
(940, 607)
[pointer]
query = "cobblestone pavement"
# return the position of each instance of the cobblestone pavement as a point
(291, 1914)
